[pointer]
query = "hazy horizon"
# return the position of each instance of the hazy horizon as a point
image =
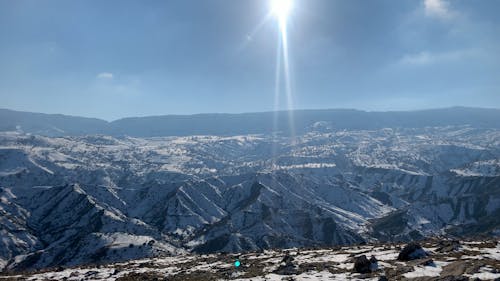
(256, 112)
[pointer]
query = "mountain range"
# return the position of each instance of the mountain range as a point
(81, 191)
(245, 123)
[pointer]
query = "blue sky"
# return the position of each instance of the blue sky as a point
(112, 59)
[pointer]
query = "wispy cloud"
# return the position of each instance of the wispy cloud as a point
(421, 58)
(438, 8)
(105, 75)
(426, 58)
(107, 83)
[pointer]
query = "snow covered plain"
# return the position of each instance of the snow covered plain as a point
(67, 201)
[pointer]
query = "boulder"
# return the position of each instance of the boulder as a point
(412, 251)
(364, 265)
(286, 267)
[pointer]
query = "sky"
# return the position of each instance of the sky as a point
(118, 58)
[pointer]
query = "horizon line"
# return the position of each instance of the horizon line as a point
(256, 112)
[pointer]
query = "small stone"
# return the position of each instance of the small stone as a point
(448, 246)
(287, 259)
(455, 278)
(429, 262)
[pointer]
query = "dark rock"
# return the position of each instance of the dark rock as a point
(363, 265)
(412, 251)
(453, 278)
(383, 278)
(448, 246)
(287, 267)
(428, 262)
(287, 258)
(374, 263)
(91, 273)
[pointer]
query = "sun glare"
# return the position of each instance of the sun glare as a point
(281, 9)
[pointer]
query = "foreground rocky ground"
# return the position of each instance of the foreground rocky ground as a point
(436, 260)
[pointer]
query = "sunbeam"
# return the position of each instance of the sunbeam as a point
(281, 10)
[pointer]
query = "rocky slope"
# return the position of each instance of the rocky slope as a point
(436, 260)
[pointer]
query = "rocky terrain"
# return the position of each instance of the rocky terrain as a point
(70, 197)
(75, 200)
(436, 260)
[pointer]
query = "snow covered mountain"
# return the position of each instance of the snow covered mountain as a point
(80, 199)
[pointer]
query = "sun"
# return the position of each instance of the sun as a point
(281, 9)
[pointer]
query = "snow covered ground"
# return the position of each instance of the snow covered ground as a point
(481, 260)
